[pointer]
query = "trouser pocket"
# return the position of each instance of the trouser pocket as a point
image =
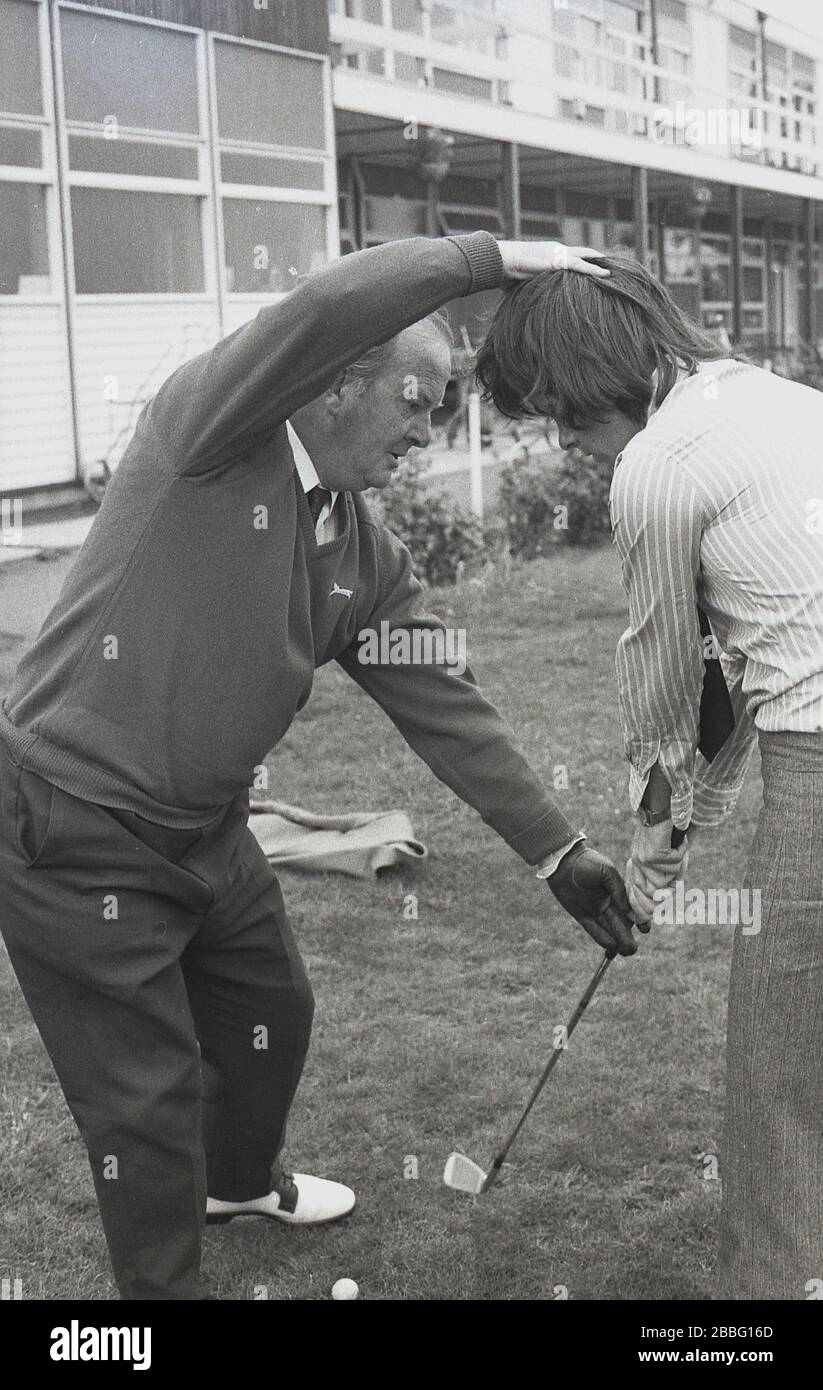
(36, 806)
(171, 842)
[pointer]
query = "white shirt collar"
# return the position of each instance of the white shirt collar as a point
(306, 470)
(711, 368)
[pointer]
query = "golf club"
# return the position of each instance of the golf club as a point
(460, 1172)
(463, 1173)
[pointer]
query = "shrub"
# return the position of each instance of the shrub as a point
(547, 496)
(583, 489)
(442, 535)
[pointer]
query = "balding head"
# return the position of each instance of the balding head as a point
(378, 408)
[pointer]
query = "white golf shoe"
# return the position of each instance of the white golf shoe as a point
(297, 1199)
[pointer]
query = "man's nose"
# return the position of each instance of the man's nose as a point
(420, 432)
(566, 438)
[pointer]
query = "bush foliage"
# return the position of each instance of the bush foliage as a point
(443, 536)
(550, 497)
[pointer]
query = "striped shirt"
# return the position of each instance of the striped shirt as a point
(719, 501)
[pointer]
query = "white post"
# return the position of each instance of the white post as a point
(475, 454)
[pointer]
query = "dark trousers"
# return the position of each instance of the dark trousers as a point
(163, 977)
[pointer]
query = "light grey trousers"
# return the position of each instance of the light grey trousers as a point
(771, 1238)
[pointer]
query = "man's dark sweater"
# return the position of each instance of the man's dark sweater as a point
(186, 635)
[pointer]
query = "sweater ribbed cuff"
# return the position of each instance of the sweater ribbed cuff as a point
(551, 832)
(484, 258)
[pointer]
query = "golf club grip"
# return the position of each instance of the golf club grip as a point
(678, 836)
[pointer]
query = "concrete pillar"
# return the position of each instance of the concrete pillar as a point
(736, 224)
(640, 209)
(510, 190)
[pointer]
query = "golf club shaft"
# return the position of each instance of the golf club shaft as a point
(570, 1027)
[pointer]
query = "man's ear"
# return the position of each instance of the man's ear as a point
(333, 401)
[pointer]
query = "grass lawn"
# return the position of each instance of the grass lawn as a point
(430, 1032)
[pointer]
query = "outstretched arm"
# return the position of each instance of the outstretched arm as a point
(468, 745)
(229, 399)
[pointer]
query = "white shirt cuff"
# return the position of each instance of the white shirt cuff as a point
(546, 870)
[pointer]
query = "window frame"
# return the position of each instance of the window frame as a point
(208, 188)
(199, 188)
(325, 197)
(44, 175)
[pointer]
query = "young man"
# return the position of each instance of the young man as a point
(232, 556)
(716, 502)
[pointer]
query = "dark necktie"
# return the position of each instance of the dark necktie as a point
(317, 498)
(716, 713)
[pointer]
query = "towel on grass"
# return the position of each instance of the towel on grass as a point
(358, 844)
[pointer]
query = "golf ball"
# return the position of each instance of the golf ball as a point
(344, 1289)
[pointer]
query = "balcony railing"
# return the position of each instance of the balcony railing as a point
(558, 61)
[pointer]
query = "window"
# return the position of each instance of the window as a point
(753, 284)
(566, 62)
(673, 59)
(271, 171)
(390, 218)
(680, 253)
(269, 245)
(564, 21)
(465, 27)
(22, 147)
(672, 19)
(715, 269)
(125, 84)
(20, 87)
(742, 48)
(145, 77)
(407, 15)
(803, 72)
(369, 11)
(135, 242)
(24, 244)
(407, 68)
(21, 94)
(270, 105)
(624, 16)
(24, 252)
(589, 32)
(462, 84)
(269, 98)
(123, 156)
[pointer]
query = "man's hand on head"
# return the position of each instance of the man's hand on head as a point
(523, 259)
(591, 890)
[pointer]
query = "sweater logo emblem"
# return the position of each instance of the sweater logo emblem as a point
(345, 593)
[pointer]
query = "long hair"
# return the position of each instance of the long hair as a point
(579, 347)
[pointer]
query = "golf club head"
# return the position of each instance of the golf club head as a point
(464, 1175)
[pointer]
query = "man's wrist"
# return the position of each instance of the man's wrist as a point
(553, 862)
(649, 818)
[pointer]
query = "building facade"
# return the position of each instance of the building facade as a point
(688, 133)
(168, 166)
(165, 169)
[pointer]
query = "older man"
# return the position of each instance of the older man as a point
(232, 556)
(717, 487)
